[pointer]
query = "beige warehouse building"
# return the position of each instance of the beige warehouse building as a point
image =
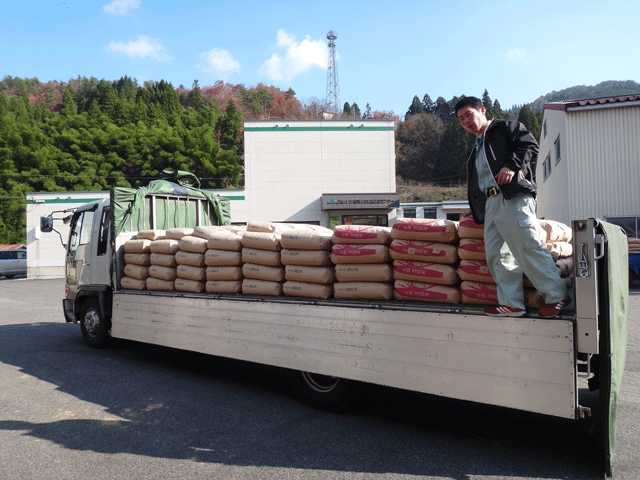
(589, 162)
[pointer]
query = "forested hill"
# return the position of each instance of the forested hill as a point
(609, 88)
(108, 134)
(89, 134)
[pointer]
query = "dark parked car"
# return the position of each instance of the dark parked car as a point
(13, 262)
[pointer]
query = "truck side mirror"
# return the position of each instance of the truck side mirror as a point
(46, 223)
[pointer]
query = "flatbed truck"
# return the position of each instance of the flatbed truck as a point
(329, 346)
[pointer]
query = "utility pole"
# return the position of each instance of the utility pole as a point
(333, 89)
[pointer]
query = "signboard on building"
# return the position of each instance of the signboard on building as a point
(360, 201)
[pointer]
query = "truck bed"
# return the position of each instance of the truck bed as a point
(443, 349)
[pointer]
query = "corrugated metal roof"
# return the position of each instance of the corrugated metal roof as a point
(591, 102)
(12, 246)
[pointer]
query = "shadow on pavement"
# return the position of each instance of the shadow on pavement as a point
(160, 402)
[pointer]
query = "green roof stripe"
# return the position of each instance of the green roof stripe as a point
(319, 129)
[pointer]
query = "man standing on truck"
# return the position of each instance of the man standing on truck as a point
(501, 191)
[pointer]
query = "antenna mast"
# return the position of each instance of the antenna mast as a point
(333, 89)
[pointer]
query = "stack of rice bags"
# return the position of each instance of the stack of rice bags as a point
(478, 285)
(137, 252)
(191, 271)
(558, 238)
(425, 256)
(262, 268)
(306, 258)
(224, 260)
(634, 244)
(162, 272)
(361, 257)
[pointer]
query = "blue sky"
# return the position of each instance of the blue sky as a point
(388, 51)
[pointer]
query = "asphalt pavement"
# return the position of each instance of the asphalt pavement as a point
(136, 411)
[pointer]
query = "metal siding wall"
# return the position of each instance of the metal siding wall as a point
(605, 147)
(552, 191)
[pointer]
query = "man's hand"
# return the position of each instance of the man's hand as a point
(505, 176)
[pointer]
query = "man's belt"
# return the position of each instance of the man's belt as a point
(492, 192)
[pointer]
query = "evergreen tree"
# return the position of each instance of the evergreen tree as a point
(51, 95)
(106, 97)
(497, 110)
(529, 119)
(444, 110)
(4, 104)
(266, 99)
(194, 97)
(85, 88)
(487, 104)
(69, 107)
(367, 112)
(428, 105)
(229, 126)
(126, 88)
(356, 111)
(451, 158)
(415, 108)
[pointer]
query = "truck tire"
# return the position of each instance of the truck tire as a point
(322, 391)
(93, 325)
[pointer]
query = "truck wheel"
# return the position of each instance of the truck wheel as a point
(322, 391)
(93, 325)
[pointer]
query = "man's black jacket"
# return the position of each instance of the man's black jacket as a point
(506, 144)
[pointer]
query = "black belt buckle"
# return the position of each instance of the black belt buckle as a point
(492, 192)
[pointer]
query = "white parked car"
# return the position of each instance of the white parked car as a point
(13, 262)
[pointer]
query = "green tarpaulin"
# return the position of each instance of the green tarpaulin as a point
(167, 204)
(614, 302)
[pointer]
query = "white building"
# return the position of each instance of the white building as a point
(589, 162)
(318, 172)
(447, 209)
(327, 172)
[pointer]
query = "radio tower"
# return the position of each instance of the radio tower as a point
(333, 89)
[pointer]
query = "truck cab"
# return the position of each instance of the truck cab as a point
(87, 261)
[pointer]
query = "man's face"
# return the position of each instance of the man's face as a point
(473, 120)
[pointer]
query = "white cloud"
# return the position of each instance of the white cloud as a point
(121, 7)
(298, 57)
(516, 54)
(218, 60)
(141, 48)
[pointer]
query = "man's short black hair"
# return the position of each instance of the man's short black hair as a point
(474, 102)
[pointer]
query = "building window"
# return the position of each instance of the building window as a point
(557, 145)
(544, 128)
(430, 213)
(547, 166)
(408, 212)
